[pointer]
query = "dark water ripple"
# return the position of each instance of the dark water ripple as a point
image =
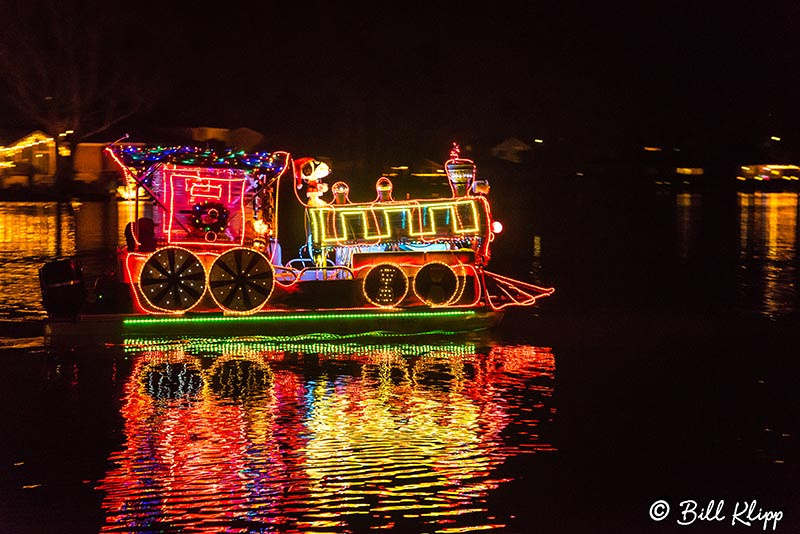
(661, 391)
(254, 438)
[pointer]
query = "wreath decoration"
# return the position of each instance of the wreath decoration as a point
(209, 217)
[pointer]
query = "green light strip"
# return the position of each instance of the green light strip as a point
(292, 317)
(316, 343)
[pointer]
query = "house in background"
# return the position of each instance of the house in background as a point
(237, 139)
(512, 149)
(28, 164)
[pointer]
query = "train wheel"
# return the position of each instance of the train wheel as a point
(172, 280)
(436, 284)
(385, 285)
(241, 280)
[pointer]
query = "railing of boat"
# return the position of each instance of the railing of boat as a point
(286, 275)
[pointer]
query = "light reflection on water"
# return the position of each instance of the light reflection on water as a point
(766, 264)
(34, 232)
(30, 233)
(688, 213)
(230, 436)
(768, 243)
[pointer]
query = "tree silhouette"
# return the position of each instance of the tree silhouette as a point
(74, 69)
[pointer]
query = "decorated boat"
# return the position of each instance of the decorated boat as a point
(204, 254)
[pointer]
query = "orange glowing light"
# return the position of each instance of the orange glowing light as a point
(220, 432)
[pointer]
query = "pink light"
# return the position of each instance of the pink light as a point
(497, 227)
(455, 151)
(185, 186)
(514, 292)
(204, 189)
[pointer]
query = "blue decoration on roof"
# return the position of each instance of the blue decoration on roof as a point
(145, 157)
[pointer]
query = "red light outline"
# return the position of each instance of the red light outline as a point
(455, 159)
(524, 288)
(159, 308)
(324, 218)
(238, 312)
(364, 282)
(453, 297)
(183, 172)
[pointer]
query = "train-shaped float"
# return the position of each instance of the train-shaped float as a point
(204, 247)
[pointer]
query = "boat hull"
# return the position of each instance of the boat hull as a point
(116, 328)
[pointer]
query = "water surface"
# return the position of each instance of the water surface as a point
(664, 367)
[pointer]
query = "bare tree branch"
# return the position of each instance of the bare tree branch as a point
(66, 66)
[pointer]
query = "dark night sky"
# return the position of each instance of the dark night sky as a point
(413, 77)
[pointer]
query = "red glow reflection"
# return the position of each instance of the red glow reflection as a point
(236, 436)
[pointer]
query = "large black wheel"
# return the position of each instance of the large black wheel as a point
(436, 284)
(241, 280)
(385, 285)
(173, 280)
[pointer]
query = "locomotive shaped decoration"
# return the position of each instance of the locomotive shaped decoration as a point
(204, 240)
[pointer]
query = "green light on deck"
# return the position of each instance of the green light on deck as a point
(319, 343)
(295, 317)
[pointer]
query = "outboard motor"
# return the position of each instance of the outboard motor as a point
(63, 290)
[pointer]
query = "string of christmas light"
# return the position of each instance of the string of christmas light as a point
(257, 162)
(210, 254)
